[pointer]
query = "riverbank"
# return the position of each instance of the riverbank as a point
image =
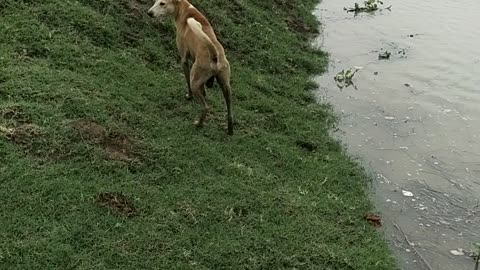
(101, 167)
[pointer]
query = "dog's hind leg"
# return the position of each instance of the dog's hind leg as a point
(186, 70)
(198, 80)
(223, 78)
(198, 91)
(208, 84)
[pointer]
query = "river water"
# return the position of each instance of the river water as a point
(414, 120)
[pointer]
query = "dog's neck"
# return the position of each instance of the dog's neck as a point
(180, 11)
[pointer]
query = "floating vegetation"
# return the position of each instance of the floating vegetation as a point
(402, 53)
(393, 51)
(369, 6)
(344, 78)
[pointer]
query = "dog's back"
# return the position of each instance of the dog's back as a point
(194, 22)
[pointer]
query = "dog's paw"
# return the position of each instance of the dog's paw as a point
(188, 97)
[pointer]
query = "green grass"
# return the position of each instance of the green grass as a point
(279, 194)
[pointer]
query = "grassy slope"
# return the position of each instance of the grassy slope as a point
(204, 200)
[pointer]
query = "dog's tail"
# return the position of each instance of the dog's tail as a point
(197, 29)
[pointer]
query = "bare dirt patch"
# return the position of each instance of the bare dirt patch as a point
(119, 147)
(23, 134)
(117, 203)
(91, 131)
(374, 219)
(116, 145)
(15, 113)
(17, 127)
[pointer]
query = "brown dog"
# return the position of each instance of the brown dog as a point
(197, 43)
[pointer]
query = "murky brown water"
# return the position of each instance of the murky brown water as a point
(416, 124)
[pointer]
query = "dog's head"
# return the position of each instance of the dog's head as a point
(163, 8)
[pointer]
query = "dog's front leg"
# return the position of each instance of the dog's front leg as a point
(186, 70)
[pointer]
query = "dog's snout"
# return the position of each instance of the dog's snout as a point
(150, 13)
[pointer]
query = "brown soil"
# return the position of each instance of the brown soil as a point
(374, 219)
(117, 146)
(117, 203)
(91, 131)
(19, 128)
(24, 134)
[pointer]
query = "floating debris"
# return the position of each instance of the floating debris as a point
(458, 252)
(407, 193)
(384, 56)
(402, 52)
(344, 78)
(369, 6)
